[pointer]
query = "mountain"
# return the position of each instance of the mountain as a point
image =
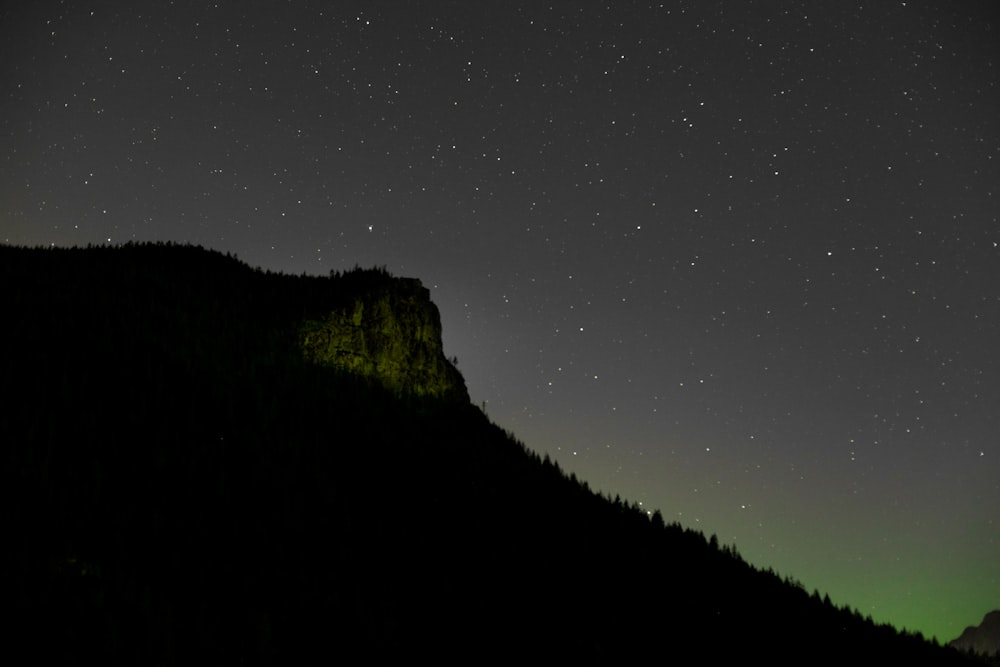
(203, 462)
(983, 638)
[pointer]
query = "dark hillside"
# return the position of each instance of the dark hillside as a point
(188, 475)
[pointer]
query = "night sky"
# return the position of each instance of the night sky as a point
(737, 261)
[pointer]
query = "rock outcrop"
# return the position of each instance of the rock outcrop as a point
(983, 638)
(391, 332)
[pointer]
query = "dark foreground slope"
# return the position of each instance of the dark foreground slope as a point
(189, 474)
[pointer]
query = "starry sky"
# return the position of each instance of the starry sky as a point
(737, 261)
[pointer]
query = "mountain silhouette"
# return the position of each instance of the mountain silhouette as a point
(204, 462)
(983, 638)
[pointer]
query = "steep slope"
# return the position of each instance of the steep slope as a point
(183, 482)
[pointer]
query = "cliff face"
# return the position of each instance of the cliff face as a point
(392, 333)
(983, 638)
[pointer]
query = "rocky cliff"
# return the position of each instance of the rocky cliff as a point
(983, 638)
(391, 332)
